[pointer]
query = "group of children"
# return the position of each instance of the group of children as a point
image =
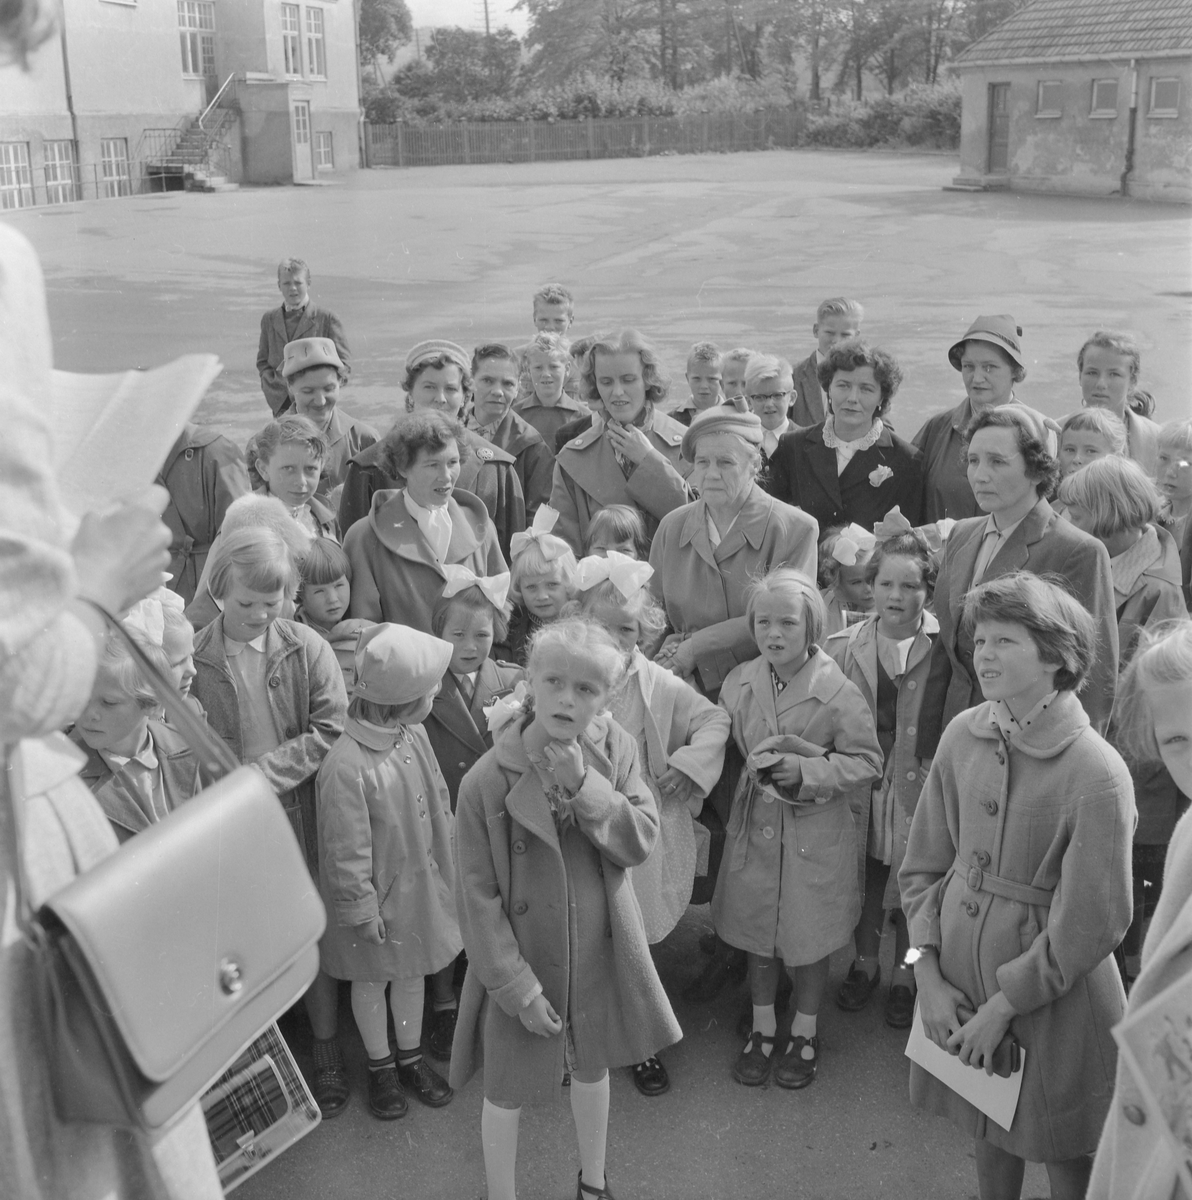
(522, 781)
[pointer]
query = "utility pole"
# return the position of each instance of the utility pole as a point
(487, 28)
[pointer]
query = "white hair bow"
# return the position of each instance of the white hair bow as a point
(626, 574)
(147, 618)
(552, 547)
(892, 525)
(460, 578)
(851, 542)
(504, 709)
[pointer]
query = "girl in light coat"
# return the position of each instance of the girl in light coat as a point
(1016, 887)
(559, 973)
(680, 737)
(788, 882)
(887, 656)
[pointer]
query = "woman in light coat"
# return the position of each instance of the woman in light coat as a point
(1016, 886)
(702, 579)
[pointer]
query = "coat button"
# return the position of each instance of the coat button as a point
(520, 907)
(767, 798)
(991, 807)
(912, 775)
(1134, 1114)
(462, 766)
(519, 847)
(911, 685)
(983, 859)
(768, 832)
(908, 820)
(275, 681)
(291, 733)
(972, 908)
(1001, 759)
(910, 729)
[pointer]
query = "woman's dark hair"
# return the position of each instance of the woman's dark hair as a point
(853, 354)
(1041, 468)
(913, 545)
(437, 362)
(1061, 627)
(413, 433)
(340, 374)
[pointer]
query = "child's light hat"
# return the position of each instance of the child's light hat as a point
(999, 330)
(436, 347)
(310, 352)
(396, 664)
(729, 417)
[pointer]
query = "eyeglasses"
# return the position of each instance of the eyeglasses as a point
(762, 398)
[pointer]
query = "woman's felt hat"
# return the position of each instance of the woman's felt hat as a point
(1000, 330)
(438, 348)
(396, 664)
(310, 352)
(733, 416)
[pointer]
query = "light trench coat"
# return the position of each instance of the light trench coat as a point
(1018, 869)
(550, 908)
(703, 589)
(788, 881)
(855, 652)
(681, 729)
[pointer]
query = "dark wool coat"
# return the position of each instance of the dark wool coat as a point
(308, 703)
(394, 573)
(180, 779)
(485, 470)
(807, 407)
(803, 473)
(1053, 810)
(458, 731)
(549, 420)
(589, 478)
(315, 322)
(540, 906)
(703, 588)
(946, 490)
(203, 472)
(1044, 543)
(533, 458)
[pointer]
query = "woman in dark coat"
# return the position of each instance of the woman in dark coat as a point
(1012, 474)
(852, 469)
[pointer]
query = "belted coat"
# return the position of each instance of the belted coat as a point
(1018, 869)
(553, 907)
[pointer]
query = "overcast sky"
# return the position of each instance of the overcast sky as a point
(468, 13)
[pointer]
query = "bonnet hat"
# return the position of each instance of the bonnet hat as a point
(396, 664)
(723, 418)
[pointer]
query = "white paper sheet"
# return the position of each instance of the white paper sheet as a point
(995, 1096)
(113, 432)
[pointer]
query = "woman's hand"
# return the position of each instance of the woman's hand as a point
(938, 1002)
(538, 1017)
(565, 761)
(372, 932)
(682, 659)
(977, 1039)
(788, 772)
(665, 653)
(122, 555)
(629, 442)
(674, 785)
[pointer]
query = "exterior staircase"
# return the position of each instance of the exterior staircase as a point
(191, 157)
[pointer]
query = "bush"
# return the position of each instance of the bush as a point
(922, 115)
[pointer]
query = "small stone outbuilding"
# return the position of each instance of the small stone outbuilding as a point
(1081, 97)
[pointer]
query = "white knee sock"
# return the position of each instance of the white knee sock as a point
(498, 1133)
(406, 997)
(589, 1107)
(368, 1007)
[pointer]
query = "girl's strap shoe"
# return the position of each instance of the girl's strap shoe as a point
(591, 1192)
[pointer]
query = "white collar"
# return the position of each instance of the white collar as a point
(422, 512)
(836, 442)
(233, 648)
(1004, 720)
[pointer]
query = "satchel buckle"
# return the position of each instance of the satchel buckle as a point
(230, 981)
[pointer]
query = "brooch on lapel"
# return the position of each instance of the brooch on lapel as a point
(879, 475)
(483, 453)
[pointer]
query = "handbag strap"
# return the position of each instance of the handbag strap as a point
(213, 754)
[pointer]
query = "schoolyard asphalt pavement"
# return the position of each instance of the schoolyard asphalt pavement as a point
(736, 248)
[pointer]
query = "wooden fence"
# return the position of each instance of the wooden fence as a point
(407, 145)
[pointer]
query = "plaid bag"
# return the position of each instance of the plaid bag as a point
(257, 1108)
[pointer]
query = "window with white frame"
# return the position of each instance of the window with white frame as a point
(1049, 99)
(16, 180)
(1165, 97)
(291, 39)
(316, 50)
(114, 162)
(324, 153)
(61, 174)
(196, 31)
(1104, 99)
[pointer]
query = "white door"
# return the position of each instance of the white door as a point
(304, 167)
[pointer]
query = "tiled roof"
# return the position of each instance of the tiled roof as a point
(1086, 29)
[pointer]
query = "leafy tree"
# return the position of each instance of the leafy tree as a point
(467, 65)
(384, 25)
